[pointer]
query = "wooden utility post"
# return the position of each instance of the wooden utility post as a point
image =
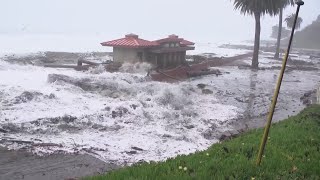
(276, 92)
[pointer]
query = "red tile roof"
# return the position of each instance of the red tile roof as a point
(131, 41)
(186, 43)
(170, 38)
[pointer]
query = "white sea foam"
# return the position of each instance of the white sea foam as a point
(107, 114)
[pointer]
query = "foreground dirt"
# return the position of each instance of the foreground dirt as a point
(23, 165)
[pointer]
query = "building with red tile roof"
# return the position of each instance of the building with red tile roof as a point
(130, 41)
(163, 53)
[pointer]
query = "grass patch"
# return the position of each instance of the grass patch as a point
(292, 152)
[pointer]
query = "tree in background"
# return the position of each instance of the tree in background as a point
(285, 4)
(290, 20)
(309, 37)
(275, 32)
(258, 8)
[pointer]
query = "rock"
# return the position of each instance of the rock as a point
(55, 120)
(307, 97)
(11, 128)
(114, 114)
(201, 86)
(229, 135)
(223, 137)
(107, 108)
(111, 128)
(131, 152)
(209, 134)
(52, 96)
(97, 126)
(134, 106)
(137, 148)
(244, 67)
(3, 130)
(189, 126)
(207, 91)
(68, 118)
(119, 112)
(27, 96)
(36, 122)
(109, 89)
(239, 99)
(68, 128)
(167, 136)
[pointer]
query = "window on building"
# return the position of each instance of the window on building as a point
(140, 54)
(166, 45)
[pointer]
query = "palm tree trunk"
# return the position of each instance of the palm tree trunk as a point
(276, 56)
(255, 58)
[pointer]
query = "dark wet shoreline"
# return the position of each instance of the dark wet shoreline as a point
(15, 165)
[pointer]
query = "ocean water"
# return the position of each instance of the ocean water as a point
(119, 117)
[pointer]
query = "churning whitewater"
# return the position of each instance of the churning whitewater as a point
(121, 117)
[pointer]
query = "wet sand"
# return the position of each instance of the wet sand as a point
(15, 165)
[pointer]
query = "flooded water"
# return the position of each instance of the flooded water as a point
(123, 118)
(252, 92)
(119, 117)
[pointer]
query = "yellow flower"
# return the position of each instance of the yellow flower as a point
(180, 167)
(294, 168)
(207, 154)
(185, 168)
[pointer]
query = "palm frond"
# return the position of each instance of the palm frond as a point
(290, 20)
(262, 7)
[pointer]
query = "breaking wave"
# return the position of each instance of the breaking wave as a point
(115, 116)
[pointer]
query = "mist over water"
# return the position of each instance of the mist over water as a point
(80, 26)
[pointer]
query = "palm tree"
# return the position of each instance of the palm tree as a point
(290, 20)
(286, 3)
(258, 8)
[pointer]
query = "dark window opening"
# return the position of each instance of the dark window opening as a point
(140, 54)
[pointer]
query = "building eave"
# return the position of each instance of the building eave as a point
(172, 49)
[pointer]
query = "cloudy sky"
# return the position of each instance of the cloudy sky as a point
(200, 21)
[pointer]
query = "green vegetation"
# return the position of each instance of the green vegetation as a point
(309, 37)
(292, 152)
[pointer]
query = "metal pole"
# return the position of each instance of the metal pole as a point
(276, 92)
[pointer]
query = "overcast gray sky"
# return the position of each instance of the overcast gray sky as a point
(199, 21)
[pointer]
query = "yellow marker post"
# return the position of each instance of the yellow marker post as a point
(276, 92)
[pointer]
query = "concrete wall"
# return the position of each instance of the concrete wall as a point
(128, 55)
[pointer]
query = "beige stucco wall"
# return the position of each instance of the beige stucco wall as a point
(127, 55)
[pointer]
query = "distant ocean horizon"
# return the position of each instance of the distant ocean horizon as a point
(20, 43)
